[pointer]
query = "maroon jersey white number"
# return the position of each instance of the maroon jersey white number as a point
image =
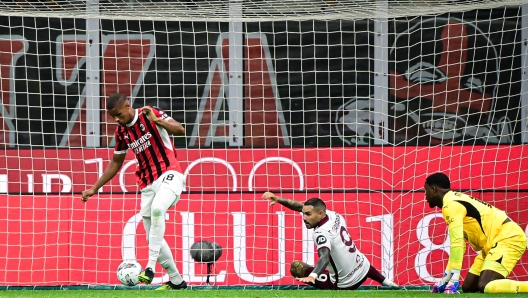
(350, 265)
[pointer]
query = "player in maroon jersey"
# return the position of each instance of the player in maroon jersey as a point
(341, 266)
(146, 131)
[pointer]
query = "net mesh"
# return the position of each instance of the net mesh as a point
(236, 10)
(355, 102)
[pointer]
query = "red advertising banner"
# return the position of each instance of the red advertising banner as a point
(376, 168)
(51, 238)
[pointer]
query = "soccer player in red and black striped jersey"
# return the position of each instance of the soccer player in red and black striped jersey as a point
(146, 131)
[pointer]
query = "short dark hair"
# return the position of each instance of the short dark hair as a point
(115, 100)
(316, 203)
(439, 179)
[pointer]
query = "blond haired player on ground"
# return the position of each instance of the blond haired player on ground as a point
(146, 131)
(501, 241)
(347, 267)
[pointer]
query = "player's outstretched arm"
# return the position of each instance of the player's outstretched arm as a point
(172, 126)
(324, 259)
(454, 217)
(115, 165)
(291, 204)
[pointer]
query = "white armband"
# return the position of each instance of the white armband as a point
(314, 275)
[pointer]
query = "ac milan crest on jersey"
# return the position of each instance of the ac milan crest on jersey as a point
(154, 150)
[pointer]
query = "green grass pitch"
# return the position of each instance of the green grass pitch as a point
(72, 292)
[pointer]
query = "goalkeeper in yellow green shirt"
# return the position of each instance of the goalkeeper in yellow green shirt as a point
(500, 240)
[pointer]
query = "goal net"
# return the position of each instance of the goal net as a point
(355, 102)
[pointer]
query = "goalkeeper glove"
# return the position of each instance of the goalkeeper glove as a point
(440, 286)
(452, 287)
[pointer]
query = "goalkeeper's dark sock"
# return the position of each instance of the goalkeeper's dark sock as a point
(506, 286)
(374, 274)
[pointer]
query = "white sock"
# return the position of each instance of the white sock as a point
(389, 283)
(147, 224)
(165, 257)
(157, 230)
(162, 201)
(167, 262)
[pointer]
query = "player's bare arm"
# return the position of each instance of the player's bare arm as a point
(324, 259)
(113, 168)
(290, 204)
(172, 126)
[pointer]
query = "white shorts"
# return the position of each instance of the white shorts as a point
(171, 184)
